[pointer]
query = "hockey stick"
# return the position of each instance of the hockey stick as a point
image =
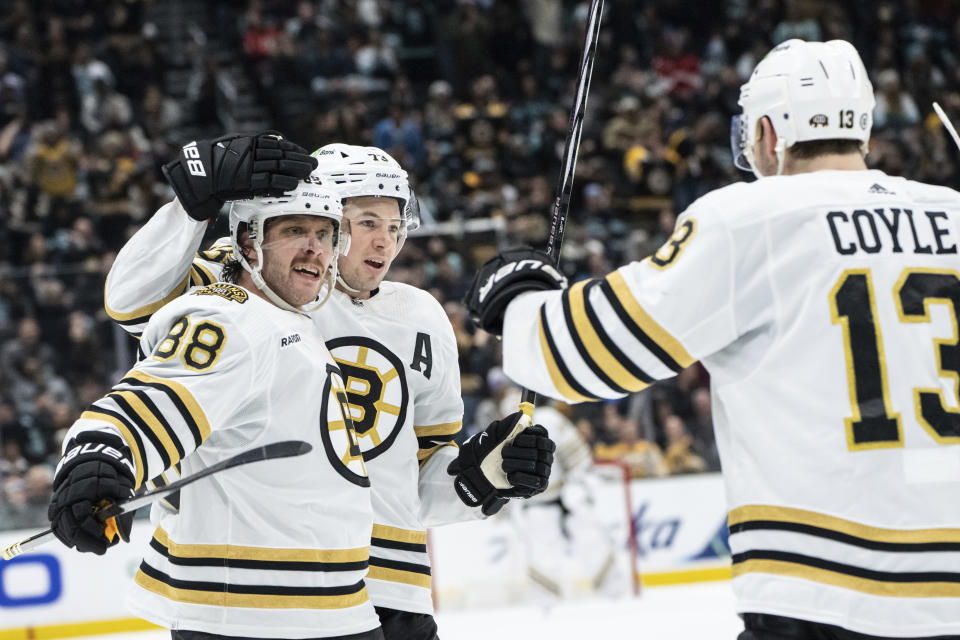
(561, 203)
(109, 509)
(947, 124)
(561, 206)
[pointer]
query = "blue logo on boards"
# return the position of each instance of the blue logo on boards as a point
(54, 588)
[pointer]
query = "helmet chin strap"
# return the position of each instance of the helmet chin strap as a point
(331, 276)
(345, 286)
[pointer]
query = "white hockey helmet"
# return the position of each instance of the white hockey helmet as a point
(311, 197)
(809, 91)
(358, 171)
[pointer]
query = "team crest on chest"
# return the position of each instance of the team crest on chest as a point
(340, 440)
(376, 390)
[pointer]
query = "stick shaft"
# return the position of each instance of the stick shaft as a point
(568, 167)
(947, 124)
(268, 452)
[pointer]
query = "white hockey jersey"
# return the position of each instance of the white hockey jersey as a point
(825, 307)
(277, 548)
(398, 355)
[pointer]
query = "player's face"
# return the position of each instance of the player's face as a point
(297, 250)
(375, 228)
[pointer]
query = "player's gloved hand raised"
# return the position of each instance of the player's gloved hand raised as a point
(96, 466)
(488, 469)
(231, 167)
(503, 278)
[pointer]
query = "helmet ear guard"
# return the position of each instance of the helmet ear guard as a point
(809, 91)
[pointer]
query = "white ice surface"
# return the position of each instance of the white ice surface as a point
(687, 612)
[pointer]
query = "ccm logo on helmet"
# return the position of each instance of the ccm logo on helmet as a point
(192, 154)
(529, 265)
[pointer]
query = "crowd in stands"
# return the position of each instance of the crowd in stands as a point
(471, 96)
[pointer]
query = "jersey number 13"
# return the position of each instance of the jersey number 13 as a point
(853, 306)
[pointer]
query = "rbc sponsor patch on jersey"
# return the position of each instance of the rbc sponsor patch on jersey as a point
(293, 338)
(224, 290)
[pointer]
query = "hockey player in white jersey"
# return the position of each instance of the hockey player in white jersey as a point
(823, 300)
(398, 355)
(276, 549)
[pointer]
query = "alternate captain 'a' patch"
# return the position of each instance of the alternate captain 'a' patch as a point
(224, 290)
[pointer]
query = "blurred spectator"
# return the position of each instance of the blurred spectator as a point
(26, 343)
(679, 455)
(87, 71)
(399, 134)
(643, 457)
(54, 163)
(13, 91)
(104, 109)
(895, 108)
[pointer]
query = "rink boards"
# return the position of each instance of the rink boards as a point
(680, 528)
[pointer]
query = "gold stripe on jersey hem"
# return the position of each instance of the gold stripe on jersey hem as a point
(554, 371)
(878, 534)
(595, 348)
(238, 552)
(642, 319)
(445, 429)
(249, 600)
(193, 408)
(855, 583)
(143, 313)
(147, 416)
(397, 575)
(399, 535)
(138, 455)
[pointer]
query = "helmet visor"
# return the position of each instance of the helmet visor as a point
(411, 212)
(739, 141)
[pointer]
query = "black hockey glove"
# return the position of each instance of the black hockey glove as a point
(503, 278)
(97, 466)
(232, 167)
(488, 471)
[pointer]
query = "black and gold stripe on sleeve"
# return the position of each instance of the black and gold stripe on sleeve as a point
(135, 412)
(644, 328)
(130, 434)
(187, 407)
(433, 436)
(142, 314)
(560, 374)
(391, 570)
(902, 542)
(200, 275)
(141, 410)
(601, 354)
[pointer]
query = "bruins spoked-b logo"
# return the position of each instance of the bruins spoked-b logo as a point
(340, 441)
(376, 388)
